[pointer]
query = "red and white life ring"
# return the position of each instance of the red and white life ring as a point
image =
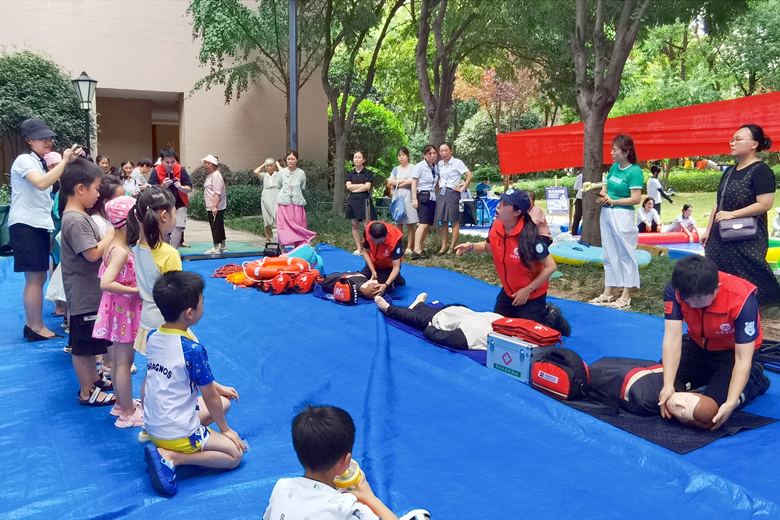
(267, 268)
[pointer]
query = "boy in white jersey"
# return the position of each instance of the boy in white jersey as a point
(174, 415)
(323, 437)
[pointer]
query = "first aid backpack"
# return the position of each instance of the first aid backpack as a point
(561, 373)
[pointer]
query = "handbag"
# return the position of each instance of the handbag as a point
(272, 249)
(398, 206)
(423, 197)
(741, 228)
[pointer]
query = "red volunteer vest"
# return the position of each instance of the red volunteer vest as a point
(162, 175)
(513, 274)
(713, 328)
(381, 253)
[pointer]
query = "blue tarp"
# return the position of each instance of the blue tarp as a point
(434, 429)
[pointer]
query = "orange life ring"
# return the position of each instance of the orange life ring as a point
(267, 268)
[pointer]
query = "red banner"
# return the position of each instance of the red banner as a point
(679, 132)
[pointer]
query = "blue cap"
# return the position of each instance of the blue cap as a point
(517, 198)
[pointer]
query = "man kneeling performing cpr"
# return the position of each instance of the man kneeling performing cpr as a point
(724, 329)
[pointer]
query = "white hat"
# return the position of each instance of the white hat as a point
(213, 160)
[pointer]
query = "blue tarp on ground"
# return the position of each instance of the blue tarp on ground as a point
(434, 429)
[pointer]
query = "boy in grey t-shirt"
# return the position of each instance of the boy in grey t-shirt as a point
(82, 249)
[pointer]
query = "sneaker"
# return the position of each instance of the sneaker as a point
(161, 472)
(134, 420)
(185, 245)
(419, 256)
(408, 251)
(223, 249)
(357, 252)
(143, 437)
(213, 251)
(67, 350)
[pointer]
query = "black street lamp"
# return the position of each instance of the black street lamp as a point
(85, 90)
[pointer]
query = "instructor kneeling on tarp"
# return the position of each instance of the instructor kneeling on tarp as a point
(383, 251)
(724, 329)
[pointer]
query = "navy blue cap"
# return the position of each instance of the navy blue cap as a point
(36, 129)
(517, 198)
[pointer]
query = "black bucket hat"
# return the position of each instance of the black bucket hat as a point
(35, 128)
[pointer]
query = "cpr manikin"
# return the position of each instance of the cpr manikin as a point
(690, 408)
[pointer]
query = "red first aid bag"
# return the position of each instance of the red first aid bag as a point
(527, 330)
(561, 373)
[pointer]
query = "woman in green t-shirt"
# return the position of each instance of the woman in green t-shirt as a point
(618, 231)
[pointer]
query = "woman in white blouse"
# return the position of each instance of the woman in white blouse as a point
(451, 185)
(647, 218)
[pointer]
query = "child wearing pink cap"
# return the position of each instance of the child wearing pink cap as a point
(119, 316)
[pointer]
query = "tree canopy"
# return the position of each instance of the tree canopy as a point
(32, 85)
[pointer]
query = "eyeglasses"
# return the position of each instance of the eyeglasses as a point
(735, 140)
(45, 139)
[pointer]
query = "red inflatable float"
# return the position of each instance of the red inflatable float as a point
(676, 237)
(269, 267)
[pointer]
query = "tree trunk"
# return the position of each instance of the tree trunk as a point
(287, 118)
(339, 174)
(437, 132)
(592, 171)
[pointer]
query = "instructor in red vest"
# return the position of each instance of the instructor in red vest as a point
(522, 262)
(383, 251)
(724, 330)
(172, 175)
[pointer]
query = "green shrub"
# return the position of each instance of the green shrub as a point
(538, 186)
(5, 195)
(487, 172)
(242, 201)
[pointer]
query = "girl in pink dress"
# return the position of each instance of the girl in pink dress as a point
(120, 312)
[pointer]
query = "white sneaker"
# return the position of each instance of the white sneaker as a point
(212, 251)
(408, 251)
(357, 252)
(223, 249)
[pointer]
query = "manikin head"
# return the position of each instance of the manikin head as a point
(693, 409)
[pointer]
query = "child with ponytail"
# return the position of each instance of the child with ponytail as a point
(153, 216)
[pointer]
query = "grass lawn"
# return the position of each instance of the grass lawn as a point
(579, 283)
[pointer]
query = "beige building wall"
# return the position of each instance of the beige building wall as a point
(125, 129)
(142, 50)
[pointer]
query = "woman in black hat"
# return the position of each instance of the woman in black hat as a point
(30, 221)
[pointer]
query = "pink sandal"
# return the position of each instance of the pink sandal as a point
(116, 411)
(131, 421)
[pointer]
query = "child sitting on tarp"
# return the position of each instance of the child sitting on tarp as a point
(175, 416)
(684, 222)
(323, 437)
(453, 326)
(724, 330)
